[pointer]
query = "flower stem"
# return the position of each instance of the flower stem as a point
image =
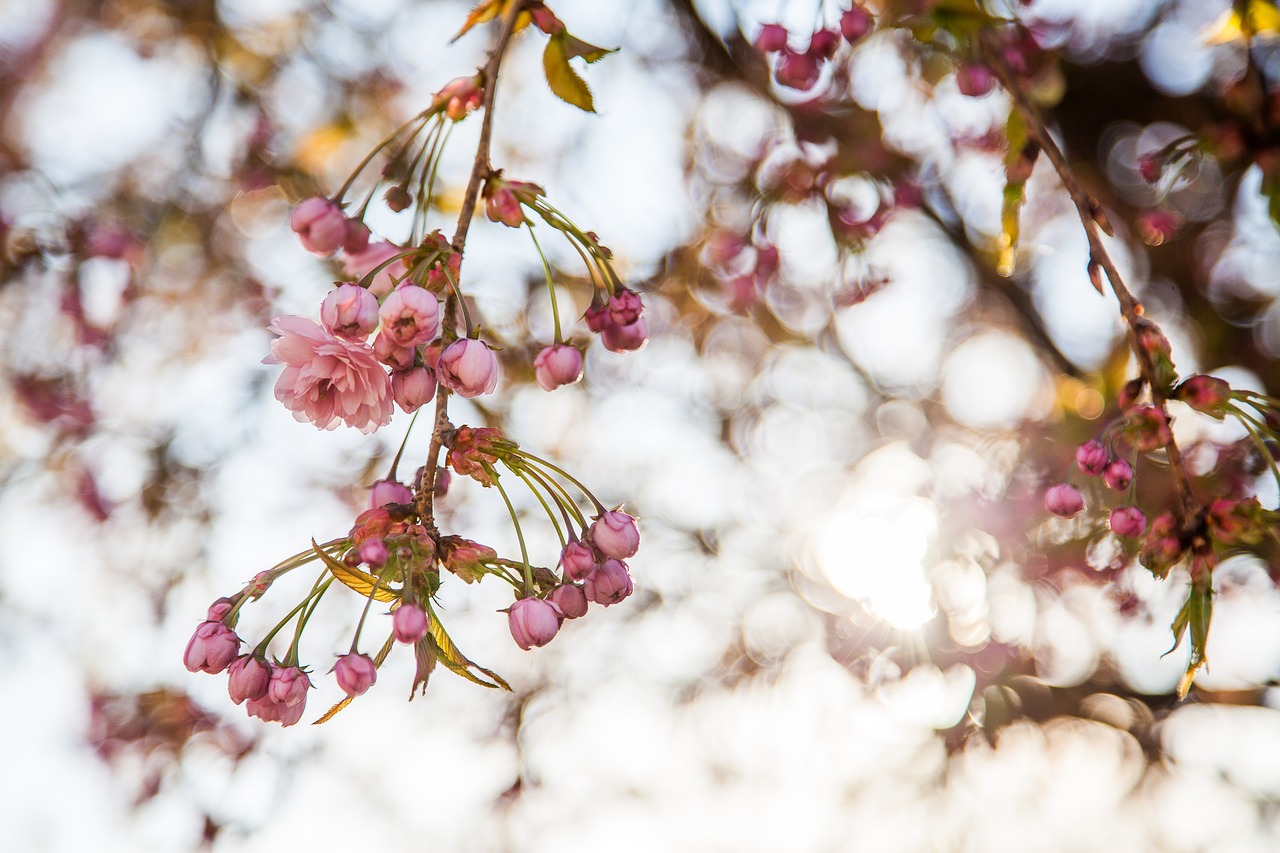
(551, 285)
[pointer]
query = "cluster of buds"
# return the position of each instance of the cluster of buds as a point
(801, 70)
(1093, 459)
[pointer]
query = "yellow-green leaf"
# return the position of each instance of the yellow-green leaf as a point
(455, 660)
(360, 581)
(1196, 614)
(1019, 160)
(485, 10)
(574, 46)
(563, 81)
(1261, 19)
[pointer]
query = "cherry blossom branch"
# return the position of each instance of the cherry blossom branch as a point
(1091, 216)
(480, 170)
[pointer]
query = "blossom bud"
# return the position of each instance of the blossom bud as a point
(320, 225)
(1063, 500)
(350, 311)
(974, 79)
(1162, 547)
(410, 315)
(356, 238)
(533, 622)
(355, 673)
(413, 388)
(609, 584)
(570, 598)
(397, 198)
(247, 678)
(1147, 428)
(615, 534)
(1207, 394)
(577, 560)
(855, 24)
(219, 609)
(409, 623)
(625, 307)
(823, 43)
(443, 478)
(625, 338)
(1091, 457)
(211, 648)
(503, 206)
(796, 70)
(1118, 475)
(391, 353)
(389, 492)
(459, 97)
(557, 365)
(597, 317)
(468, 367)
(1128, 521)
(772, 38)
(1150, 167)
(1128, 394)
(288, 686)
(373, 552)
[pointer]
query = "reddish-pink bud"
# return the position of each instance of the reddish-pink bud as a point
(350, 311)
(557, 365)
(824, 43)
(355, 673)
(459, 97)
(975, 79)
(410, 315)
(288, 686)
(1128, 521)
(855, 24)
(373, 552)
(503, 206)
(1118, 475)
(1063, 500)
(577, 560)
(533, 622)
(389, 492)
(609, 583)
(1091, 457)
(1147, 428)
(615, 534)
(571, 599)
(625, 338)
(211, 648)
(1207, 394)
(320, 225)
(772, 38)
(796, 70)
(397, 198)
(1150, 166)
(468, 367)
(247, 678)
(409, 623)
(356, 238)
(625, 307)
(413, 388)
(219, 609)
(1128, 394)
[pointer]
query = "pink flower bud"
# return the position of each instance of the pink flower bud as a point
(391, 353)
(625, 307)
(577, 560)
(373, 553)
(356, 239)
(1092, 457)
(503, 206)
(1150, 167)
(247, 678)
(796, 70)
(211, 648)
(597, 317)
(288, 686)
(1063, 500)
(609, 584)
(571, 599)
(459, 97)
(1162, 548)
(397, 198)
(219, 609)
(443, 479)
(975, 79)
(855, 24)
(1147, 428)
(1207, 394)
(557, 365)
(355, 673)
(1128, 394)
(409, 623)
(320, 225)
(410, 315)
(413, 388)
(389, 492)
(374, 255)
(468, 367)
(615, 534)
(625, 338)
(772, 38)
(1118, 475)
(824, 43)
(1157, 227)
(350, 311)
(1128, 521)
(533, 622)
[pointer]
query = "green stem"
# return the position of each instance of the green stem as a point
(1258, 442)
(551, 287)
(563, 473)
(395, 463)
(368, 158)
(466, 315)
(555, 522)
(524, 551)
(377, 582)
(556, 491)
(261, 649)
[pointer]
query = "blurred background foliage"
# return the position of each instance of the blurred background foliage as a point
(853, 613)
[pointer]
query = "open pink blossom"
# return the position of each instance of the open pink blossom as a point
(320, 225)
(468, 367)
(350, 311)
(359, 264)
(557, 365)
(327, 379)
(410, 315)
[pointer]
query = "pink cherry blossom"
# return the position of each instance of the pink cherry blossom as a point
(211, 648)
(248, 677)
(468, 367)
(413, 388)
(1063, 500)
(1128, 521)
(320, 225)
(625, 338)
(615, 534)
(609, 584)
(359, 264)
(578, 560)
(386, 492)
(288, 686)
(350, 311)
(355, 673)
(410, 315)
(571, 599)
(327, 379)
(557, 365)
(533, 622)
(1091, 457)
(409, 623)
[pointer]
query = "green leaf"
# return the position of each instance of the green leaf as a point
(575, 46)
(563, 81)
(455, 660)
(1019, 160)
(361, 582)
(1196, 614)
